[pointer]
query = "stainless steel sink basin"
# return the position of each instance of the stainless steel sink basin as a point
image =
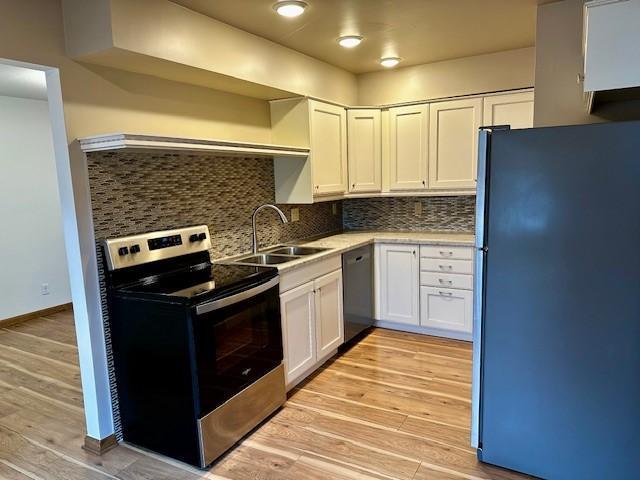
(297, 251)
(277, 255)
(265, 259)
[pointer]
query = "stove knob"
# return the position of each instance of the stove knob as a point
(193, 237)
(134, 248)
(122, 251)
(202, 236)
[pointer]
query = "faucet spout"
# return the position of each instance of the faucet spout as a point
(283, 217)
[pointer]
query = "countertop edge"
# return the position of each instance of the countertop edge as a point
(375, 238)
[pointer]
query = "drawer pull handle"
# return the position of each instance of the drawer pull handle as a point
(449, 294)
(446, 253)
(448, 282)
(448, 267)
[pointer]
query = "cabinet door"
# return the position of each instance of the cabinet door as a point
(453, 143)
(328, 125)
(297, 310)
(514, 109)
(364, 150)
(408, 147)
(398, 277)
(329, 319)
(446, 309)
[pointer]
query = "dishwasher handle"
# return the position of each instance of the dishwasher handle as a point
(358, 259)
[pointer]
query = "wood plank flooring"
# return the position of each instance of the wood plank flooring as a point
(395, 406)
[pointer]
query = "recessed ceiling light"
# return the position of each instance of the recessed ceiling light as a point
(290, 8)
(350, 41)
(389, 62)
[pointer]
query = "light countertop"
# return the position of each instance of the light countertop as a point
(343, 242)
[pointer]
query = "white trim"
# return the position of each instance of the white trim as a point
(118, 141)
(82, 265)
(598, 3)
(434, 332)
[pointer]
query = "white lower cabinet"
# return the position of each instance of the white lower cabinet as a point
(297, 310)
(312, 319)
(397, 283)
(430, 292)
(446, 309)
(329, 318)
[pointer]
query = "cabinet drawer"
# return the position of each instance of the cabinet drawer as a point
(446, 280)
(446, 309)
(305, 273)
(446, 266)
(448, 252)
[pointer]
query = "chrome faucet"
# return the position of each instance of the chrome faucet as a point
(283, 217)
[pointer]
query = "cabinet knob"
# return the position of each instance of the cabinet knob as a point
(424, 183)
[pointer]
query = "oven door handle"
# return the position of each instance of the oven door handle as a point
(238, 297)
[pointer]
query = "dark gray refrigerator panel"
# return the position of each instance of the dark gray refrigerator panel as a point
(560, 388)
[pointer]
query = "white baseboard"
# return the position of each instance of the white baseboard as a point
(467, 337)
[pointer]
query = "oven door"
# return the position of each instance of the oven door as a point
(238, 339)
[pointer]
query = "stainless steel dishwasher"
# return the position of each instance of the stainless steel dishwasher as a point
(357, 277)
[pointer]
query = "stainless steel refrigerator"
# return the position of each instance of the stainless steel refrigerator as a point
(556, 390)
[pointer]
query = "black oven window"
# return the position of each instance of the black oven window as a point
(237, 345)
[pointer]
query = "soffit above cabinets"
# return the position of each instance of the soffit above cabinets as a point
(418, 31)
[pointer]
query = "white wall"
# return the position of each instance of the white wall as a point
(31, 244)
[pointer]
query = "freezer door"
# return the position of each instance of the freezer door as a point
(561, 325)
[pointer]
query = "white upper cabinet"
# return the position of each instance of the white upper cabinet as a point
(453, 143)
(328, 125)
(408, 147)
(322, 128)
(364, 150)
(611, 37)
(514, 109)
(397, 283)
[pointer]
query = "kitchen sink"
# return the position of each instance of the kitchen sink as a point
(297, 251)
(277, 255)
(265, 259)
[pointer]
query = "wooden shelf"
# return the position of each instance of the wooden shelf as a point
(120, 141)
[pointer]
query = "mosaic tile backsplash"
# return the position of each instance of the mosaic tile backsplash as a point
(140, 192)
(446, 214)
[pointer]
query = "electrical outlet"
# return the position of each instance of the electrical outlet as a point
(417, 209)
(44, 289)
(334, 208)
(295, 214)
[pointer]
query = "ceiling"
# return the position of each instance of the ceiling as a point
(22, 82)
(418, 31)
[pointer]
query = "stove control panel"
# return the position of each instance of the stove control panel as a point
(165, 242)
(148, 247)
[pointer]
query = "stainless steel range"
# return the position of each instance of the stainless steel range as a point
(197, 346)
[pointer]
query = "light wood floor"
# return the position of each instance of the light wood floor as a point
(395, 406)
